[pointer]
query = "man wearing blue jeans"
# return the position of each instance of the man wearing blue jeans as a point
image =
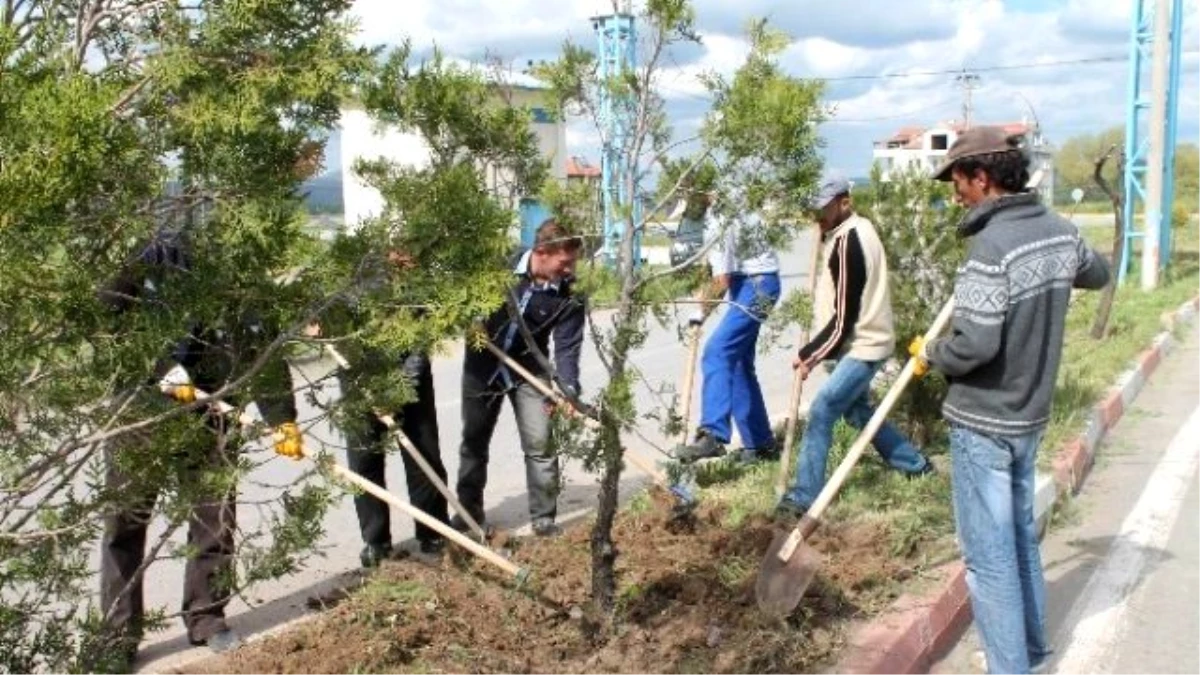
(744, 264)
(1001, 358)
(853, 306)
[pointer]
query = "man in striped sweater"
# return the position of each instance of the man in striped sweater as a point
(1001, 358)
(853, 309)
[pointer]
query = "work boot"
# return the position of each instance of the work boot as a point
(705, 447)
(373, 554)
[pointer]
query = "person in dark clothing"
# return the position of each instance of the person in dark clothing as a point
(368, 439)
(209, 358)
(544, 301)
(366, 454)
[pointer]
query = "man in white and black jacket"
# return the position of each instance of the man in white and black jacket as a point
(1001, 358)
(543, 299)
(853, 310)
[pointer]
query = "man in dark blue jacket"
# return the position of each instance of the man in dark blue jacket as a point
(542, 299)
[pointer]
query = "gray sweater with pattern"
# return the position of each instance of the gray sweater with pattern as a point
(1002, 353)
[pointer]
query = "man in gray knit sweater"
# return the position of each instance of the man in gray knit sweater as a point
(1001, 358)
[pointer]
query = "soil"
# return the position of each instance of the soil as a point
(686, 604)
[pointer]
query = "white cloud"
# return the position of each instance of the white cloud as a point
(841, 41)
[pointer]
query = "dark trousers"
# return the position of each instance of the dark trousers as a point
(481, 405)
(211, 525)
(366, 453)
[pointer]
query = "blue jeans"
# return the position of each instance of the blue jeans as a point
(993, 510)
(730, 386)
(846, 394)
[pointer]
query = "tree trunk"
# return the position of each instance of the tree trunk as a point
(1104, 309)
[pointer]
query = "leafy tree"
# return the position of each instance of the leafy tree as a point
(119, 118)
(761, 136)
(917, 222)
(1076, 159)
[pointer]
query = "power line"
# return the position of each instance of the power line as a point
(990, 69)
(969, 81)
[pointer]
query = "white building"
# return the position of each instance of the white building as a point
(364, 138)
(926, 147)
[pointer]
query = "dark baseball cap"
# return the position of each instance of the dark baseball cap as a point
(983, 140)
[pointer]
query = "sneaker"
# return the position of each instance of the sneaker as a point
(705, 447)
(756, 455)
(373, 554)
(928, 470)
(788, 511)
(546, 527)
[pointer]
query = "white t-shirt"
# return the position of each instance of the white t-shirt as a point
(741, 247)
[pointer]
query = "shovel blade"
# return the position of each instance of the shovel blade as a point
(782, 583)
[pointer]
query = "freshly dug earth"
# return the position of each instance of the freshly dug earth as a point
(686, 604)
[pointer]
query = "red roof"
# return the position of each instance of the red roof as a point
(578, 167)
(910, 136)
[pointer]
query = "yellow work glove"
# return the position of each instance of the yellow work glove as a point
(184, 393)
(288, 441)
(916, 349)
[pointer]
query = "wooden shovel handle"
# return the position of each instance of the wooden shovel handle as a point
(689, 379)
(406, 444)
(864, 438)
(482, 552)
(789, 435)
(785, 457)
(640, 462)
(521, 574)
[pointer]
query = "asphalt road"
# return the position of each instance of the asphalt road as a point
(661, 362)
(1123, 567)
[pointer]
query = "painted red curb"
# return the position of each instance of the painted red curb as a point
(1111, 408)
(1149, 361)
(918, 630)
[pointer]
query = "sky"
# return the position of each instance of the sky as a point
(886, 63)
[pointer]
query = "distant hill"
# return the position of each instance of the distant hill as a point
(323, 194)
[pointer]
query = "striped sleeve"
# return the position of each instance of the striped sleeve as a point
(848, 266)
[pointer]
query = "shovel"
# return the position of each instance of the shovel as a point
(689, 381)
(406, 444)
(790, 563)
(520, 574)
(637, 460)
(789, 435)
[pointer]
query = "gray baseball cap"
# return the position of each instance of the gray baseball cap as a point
(832, 185)
(983, 140)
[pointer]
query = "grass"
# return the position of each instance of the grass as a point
(917, 514)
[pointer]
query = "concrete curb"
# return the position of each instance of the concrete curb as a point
(918, 629)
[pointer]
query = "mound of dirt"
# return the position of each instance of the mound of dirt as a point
(685, 604)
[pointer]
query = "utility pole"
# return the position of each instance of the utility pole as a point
(1155, 165)
(969, 82)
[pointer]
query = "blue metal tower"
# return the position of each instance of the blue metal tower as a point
(617, 42)
(1137, 123)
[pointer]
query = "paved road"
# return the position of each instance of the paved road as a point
(1123, 574)
(661, 361)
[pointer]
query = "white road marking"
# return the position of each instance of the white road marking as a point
(1099, 615)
